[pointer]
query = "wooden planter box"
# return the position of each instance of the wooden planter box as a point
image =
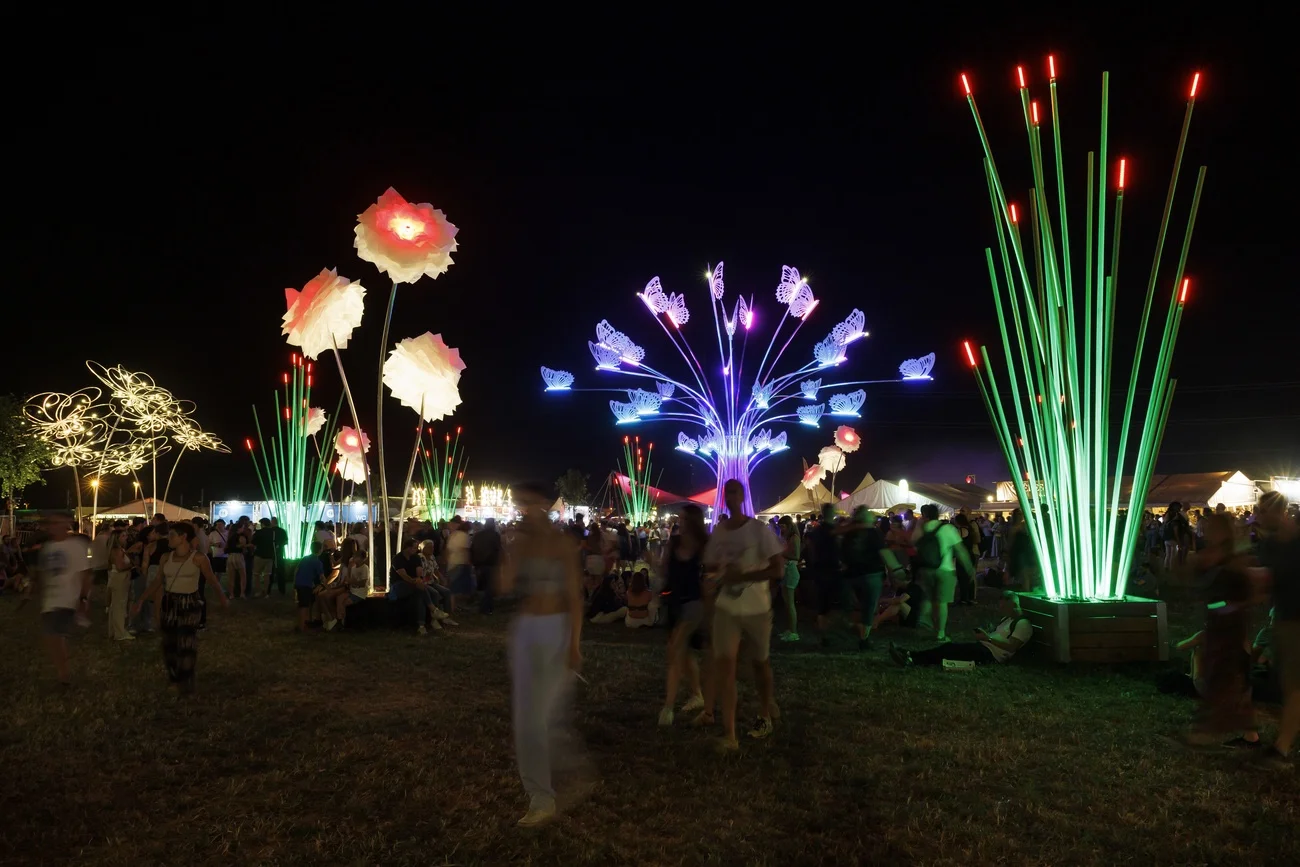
(1134, 630)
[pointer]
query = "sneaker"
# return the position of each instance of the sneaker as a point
(127, 637)
(423, 631)
(439, 614)
(447, 621)
(762, 728)
(789, 636)
(437, 626)
(330, 624)
(727, 746)
(536, 817)
(666, 717)
(1245, 744)
(695, 702)
(702, 719)
(1269, 759)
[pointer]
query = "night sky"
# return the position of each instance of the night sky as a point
(162, 224)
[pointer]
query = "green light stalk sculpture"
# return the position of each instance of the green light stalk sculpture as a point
(1056, 431)
(444, 477)
(294, 476)
(637, 500)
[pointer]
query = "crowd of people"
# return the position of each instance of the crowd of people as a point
(715, 593)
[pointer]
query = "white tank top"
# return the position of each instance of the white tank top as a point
(180, 576)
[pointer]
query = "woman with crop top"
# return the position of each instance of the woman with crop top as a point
(181, 608)
(544, 652)
(683, 566)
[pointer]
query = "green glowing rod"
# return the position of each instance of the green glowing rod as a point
(1055, 430)
(444, 477)
(294, 476)
(638, 502)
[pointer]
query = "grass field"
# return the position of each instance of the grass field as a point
(385, 748)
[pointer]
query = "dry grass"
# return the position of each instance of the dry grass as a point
(384, 748)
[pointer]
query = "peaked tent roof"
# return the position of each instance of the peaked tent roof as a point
(867, 481)
(884, 494)
(1230, 487)
(801, 500)
(144, 507)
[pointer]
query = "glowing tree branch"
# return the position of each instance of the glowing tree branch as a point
(1058, 341)
(732, 414)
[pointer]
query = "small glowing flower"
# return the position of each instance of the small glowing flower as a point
(403, 240)
(424, 373)
(352, 469)
(847, 439)
(813, 476)
(831, 459)
(323, 314)
(351, 443)
(315, 421)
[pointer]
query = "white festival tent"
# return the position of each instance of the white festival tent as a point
(142, 507)
(883, 494)
(800, 501)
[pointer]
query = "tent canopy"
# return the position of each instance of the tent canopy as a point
(659, 497)
(142, 507)
(883, 494)
(800, 500)
(1230, 487)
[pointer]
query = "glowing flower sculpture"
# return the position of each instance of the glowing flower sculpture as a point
(324, 313)
(403, 240)
(315, 421)
(831, 459)
(730, 404)
(424, 373)
(72, 424)
(813, 475)
(847, 439)
(351, 446)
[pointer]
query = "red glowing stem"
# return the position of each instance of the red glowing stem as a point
(248, 443)
(1020, 74)
(1123, 165)
(1033, 107)
(965, 83)
(1051, 66)
(1196, 82)
(970, 353)
(1182, 295)
(1015, 217)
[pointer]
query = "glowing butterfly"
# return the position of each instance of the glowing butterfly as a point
(557, 380)
(917, 368)
(665, 389)
(710, 445)
(789, 285)
(828, 352)
(809, 388)
(608, 335)
(654, 297)
(850, 329)
(687, 444)
(762, 394)
(848, 404)
(811, 414)
(761, 440)
(646, 402)
(677, 312)
(606, 357)
(778, 443)
(715, 282)
(625, 413)
(803, 302)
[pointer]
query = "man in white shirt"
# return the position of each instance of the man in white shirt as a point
(938, 548)
(746, 557)
(460, 574)
(1012, 633)
(64, 576)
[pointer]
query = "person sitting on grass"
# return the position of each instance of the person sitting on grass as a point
(605, 606)
(904, 607)
(333, 597)
(638, 603)
(1011, 633)
(308, 580)
(439, 592)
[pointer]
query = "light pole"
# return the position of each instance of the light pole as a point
(94, 506)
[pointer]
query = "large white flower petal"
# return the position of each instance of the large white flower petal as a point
(324, 313)
(424, 373)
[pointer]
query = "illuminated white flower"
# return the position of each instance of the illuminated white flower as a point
(351, 443)
(323, 314)
(813, 476)
(315, 421)
(847, 439)
(403, 240)
(194, 438)
(424, 373)
(352, 469)
(831, 459)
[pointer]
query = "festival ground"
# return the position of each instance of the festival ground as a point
(385, 748)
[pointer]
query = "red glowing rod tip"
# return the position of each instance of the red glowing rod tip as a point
(1015, 217)
(965, 83)
(1020, 74)
(970, 353)
(1196, 82)
(1051, 66)
(1182, 294)
(1033, 107)
(1123, 164)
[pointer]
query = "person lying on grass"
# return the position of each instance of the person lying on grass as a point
(1011, 633)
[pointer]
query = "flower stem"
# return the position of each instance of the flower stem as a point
(379, 429)
(365, 466)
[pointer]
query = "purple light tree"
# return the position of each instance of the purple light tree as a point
(732, 413)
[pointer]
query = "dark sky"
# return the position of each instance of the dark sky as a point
(170, 196)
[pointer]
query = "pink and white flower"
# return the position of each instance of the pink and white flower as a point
(812, 476)
(847, 439)
(315, 421)
(403, 240)
(831, 459)
(323, 314)
(351, 443)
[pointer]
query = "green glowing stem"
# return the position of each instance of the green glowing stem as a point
(1122, 452)
(1107, 474)
(266, 494)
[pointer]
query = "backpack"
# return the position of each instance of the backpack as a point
(929, 553)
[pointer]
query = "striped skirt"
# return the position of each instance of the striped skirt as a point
(180, 616)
